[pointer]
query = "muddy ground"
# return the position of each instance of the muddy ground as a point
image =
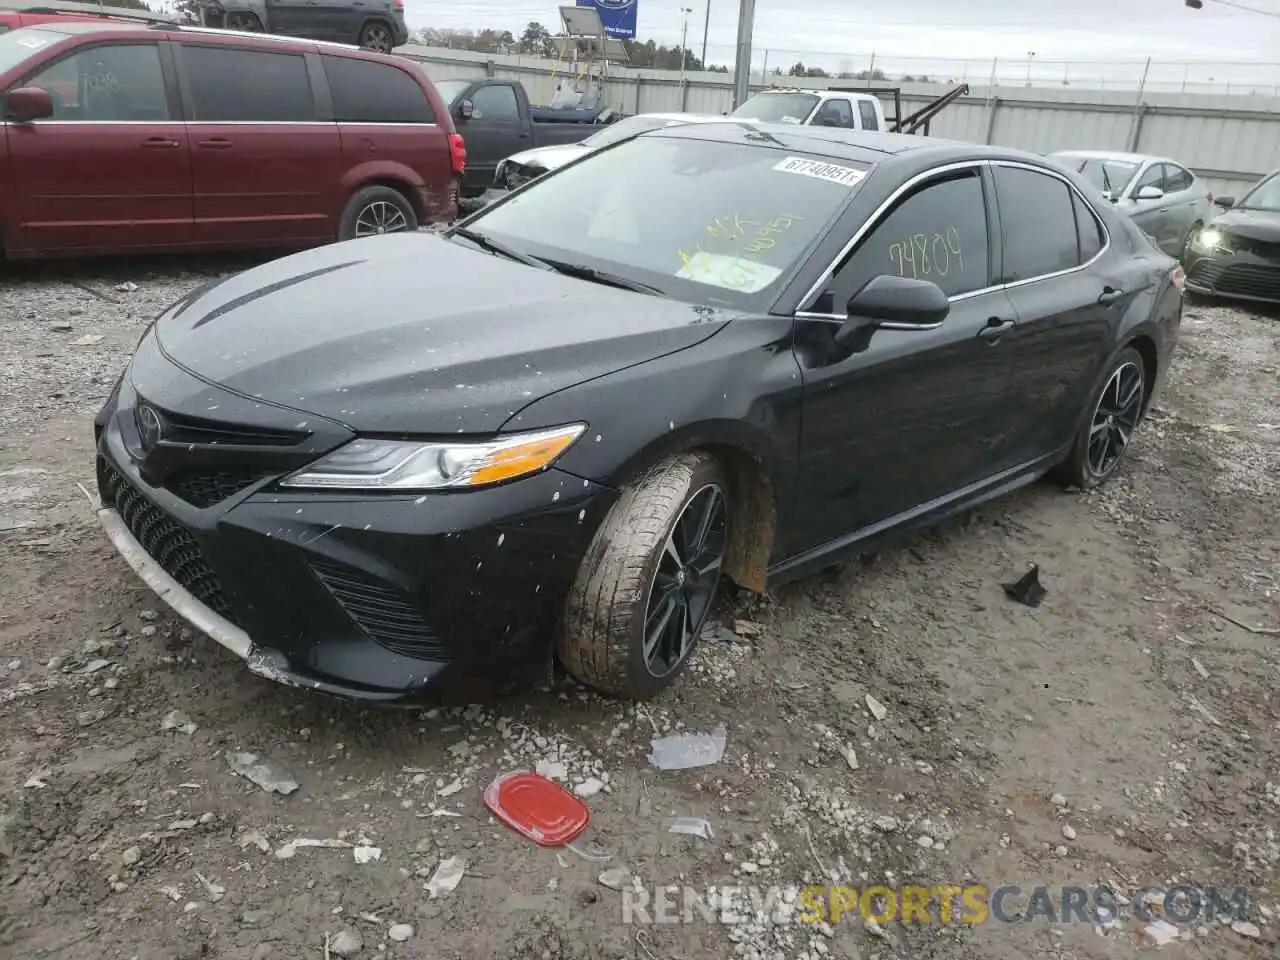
(1126, 732)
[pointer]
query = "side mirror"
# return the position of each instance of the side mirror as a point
(1226, 203)
(899, 301)
(28, 103)
(1149, 193)
(465, 109)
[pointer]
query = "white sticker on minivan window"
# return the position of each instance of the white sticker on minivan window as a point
(831, 172)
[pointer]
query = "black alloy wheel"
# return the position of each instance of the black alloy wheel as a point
(376, 37)
(1115, 418)
(684, 585)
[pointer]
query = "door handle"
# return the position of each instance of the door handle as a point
(160, 143)
(996, 328)
(215, 143)
(1110, 295)
(524, 134)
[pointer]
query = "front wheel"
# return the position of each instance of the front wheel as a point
(648, 581)
(1115, 410)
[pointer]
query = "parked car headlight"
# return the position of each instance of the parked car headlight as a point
(1209, 239)
(369, 464)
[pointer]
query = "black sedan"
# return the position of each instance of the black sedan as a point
(1237, 254)
(712, 351)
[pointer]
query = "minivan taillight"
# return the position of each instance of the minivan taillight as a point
(457, 153)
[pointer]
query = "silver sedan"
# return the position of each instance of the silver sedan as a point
(1162, 196)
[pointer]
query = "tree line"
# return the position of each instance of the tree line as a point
(535, 40)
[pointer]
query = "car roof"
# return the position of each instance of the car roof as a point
(1118, 155)
(822, 94)
(864, 146)
(82, 27)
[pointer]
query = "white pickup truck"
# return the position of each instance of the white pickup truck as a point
(820, 108)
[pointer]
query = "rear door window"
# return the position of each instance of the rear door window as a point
(367, 92)
(1088, 229)
(230, 85)
(1037, 222)
(867, 110)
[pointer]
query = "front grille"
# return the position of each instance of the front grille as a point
(202, 489)
(1237, 279)
(381, 611)
(179, 428)
(167, 543)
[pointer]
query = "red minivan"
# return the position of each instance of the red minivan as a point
(124, 137)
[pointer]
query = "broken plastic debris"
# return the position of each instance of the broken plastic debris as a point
(179, 721)
(1161, 931)
(691, 827)
(287, 851)
(615, 878)
(367, 854)
(1027, 589)
(249, 766)
(876, 707)
(214, 891)
(447, 877)
(93, 666)
(850, 756)
(253, 838)
(592, 853)
(88, 340)
(127, 287)
(682, 751)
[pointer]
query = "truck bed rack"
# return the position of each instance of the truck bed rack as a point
(920, 118)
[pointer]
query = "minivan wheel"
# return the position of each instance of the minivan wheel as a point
(376, 210)
(376, 36)
(1115, 410)
(648, 581)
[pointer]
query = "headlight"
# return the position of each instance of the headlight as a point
(368, 464)
(1209, 239)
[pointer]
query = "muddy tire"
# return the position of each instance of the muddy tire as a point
(374, 210)
(649, 579)
(1114, 413)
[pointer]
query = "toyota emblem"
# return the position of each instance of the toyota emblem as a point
(149, 427)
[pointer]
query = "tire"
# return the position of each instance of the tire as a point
(620, 585)
(1184, 256)
(376, 205)
(247, 22)
(376, 35)
(1088, 465)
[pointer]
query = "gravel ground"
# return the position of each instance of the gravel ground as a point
(897, 721)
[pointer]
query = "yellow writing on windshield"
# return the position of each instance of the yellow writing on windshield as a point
(928, 256)
(746, 239)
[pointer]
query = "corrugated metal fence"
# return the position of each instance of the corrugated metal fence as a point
(1229, 141)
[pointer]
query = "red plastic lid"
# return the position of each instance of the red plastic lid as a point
(538, 808)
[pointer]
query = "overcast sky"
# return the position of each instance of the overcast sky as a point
(979, 29)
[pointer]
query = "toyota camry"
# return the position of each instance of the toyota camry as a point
(709, 353)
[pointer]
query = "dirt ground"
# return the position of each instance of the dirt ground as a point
(1126, 732)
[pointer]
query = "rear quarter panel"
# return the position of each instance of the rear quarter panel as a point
(413, 156)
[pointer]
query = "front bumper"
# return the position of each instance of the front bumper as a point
(1236, 276)
(378, 598)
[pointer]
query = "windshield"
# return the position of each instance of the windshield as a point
(1265, 196)
(451, 89)
(1109, 176)
(778, 107)
(18, 45)
(703, 221)
(623, 129)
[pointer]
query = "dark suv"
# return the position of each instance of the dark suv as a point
(377, 25)
(128, 137)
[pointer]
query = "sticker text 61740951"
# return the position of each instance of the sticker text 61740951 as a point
(831, 172)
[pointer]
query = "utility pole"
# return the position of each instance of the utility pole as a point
(706, 28)
(742, 62)
(684, 42)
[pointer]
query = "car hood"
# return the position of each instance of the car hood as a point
(1253, 224)
(549, 158)
(414, 333)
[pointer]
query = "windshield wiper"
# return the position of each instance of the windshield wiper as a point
(493, 246)
(583, 272)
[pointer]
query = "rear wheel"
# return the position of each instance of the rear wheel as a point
(647, 584)
(375, 210)
(1115, 410)
(376, 36)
